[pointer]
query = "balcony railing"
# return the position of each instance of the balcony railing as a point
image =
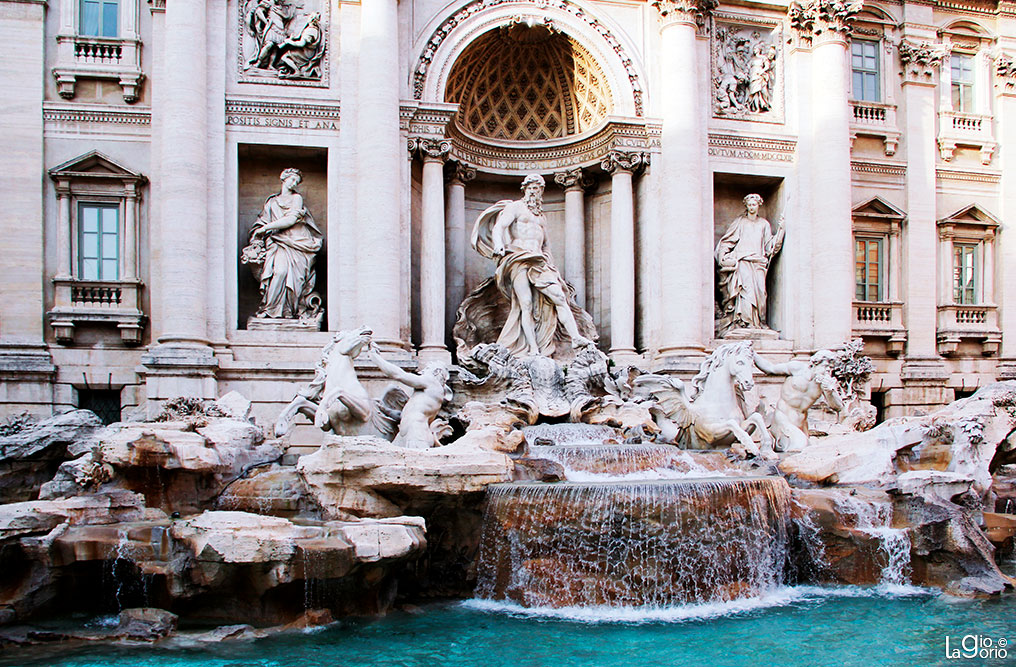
(958, 322)
(881, 320)
(97, 302)
(958, 128)
(98, 51)
(102, 294)
(876, 119)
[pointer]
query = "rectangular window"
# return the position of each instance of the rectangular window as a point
(869, 269)
(965, 273)
(864, 64)
(961, 67)
(98, 242)
(98, 18)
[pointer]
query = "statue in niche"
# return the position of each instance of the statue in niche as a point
(744, 72)
(284, 243)
(526, 306)
(806, 383)
(286, 41)
(743, 256)
(418, 424)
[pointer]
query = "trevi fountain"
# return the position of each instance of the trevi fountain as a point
(534, 503)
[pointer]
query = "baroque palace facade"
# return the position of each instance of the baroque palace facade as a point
(145, 136)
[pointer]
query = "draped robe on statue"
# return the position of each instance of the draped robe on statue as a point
(288, 276)
(486, 305)
(750, 244)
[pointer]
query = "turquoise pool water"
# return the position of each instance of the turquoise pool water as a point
(793, 626)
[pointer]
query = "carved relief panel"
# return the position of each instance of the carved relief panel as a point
(747, 70)
(283, 42)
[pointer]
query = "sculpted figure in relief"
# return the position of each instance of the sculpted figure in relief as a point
(541, 306)
(287, 42)
(418, 426)
(301, 55)
(284, 243)
(743, 256)
(760, 74)
(267, 20)
(744, 71)
(806, 382)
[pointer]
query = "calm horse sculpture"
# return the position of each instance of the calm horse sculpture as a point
(716, 414)
(334, 399)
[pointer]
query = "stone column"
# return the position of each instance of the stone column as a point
(684, 245)
(182, 364)
(455, 239)
(130, 237)
(832, 251)
(621, 166)
(1005, 117)
(25, 364)
(63, 230)
(433, 152)
(921, 241)
(184, 209)
(381, 162)
(923, 373)
(574, 231)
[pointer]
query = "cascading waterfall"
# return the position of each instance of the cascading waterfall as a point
(631, 543)
(876, 520)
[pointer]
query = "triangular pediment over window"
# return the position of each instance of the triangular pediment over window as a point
(878, 208)
(94, 165)
(970, 215)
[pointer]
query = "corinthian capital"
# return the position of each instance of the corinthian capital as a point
(814, 17)
(624, 160)
(684, 11)
(920, 60)
(430, 149)
(572, 179)
(456, 172)
(1005, 73)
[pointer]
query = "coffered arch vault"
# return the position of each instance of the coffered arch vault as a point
(474, 25)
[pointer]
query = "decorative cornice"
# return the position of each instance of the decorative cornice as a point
(618, 134)
(456, 172)
(878, 168)
(630, 161)
(107, 114)
(477, 6)
(429, 150)
(1005, 73)
(693, 12)
(157, 6)
(920, 60)
(815, 17)
(968, 175)
(751, 148)
(242, 112)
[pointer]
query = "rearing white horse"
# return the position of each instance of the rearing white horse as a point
(716, 414)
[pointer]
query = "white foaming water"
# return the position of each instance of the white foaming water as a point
(876, 520)
(780, 597)
(599, 462)
(571, 434)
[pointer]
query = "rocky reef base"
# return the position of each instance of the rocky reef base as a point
(199, 517)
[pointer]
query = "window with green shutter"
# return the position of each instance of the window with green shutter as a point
(98, 242)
